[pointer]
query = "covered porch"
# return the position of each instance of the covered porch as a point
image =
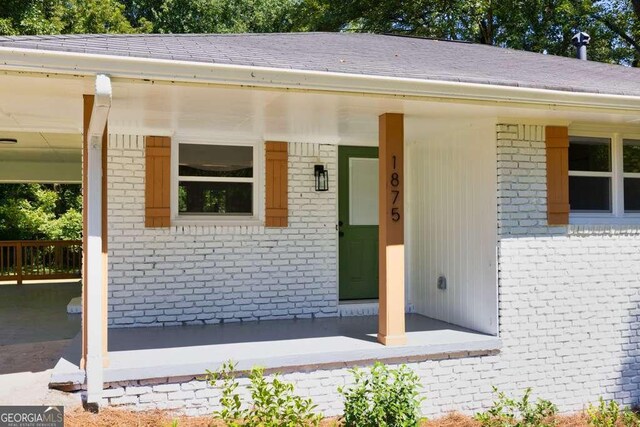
(438, 227)
(177, 352)
(435, 254)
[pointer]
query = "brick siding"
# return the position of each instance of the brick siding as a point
(208, 274)
(569, 300)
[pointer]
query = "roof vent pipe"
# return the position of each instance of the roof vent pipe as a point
(581, 41)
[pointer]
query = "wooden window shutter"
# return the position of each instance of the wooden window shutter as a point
(277, 197)
(557, 138)
(157, 181)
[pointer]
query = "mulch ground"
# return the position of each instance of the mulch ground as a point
(123, 418)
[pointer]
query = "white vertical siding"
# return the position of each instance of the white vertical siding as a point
(451, 227)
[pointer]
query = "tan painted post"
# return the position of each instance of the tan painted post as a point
(391, 327)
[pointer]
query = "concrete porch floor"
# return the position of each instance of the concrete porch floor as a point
(35, 332)
(181, 351)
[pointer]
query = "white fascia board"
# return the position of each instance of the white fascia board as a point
(31, 60)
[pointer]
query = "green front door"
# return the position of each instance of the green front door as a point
(358, 222)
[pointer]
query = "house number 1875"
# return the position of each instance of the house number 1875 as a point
(395, 183)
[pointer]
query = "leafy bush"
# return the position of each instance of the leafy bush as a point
(509, 412)
(609, 414)
(382, 397)
(273, 403)
(605, 414)
(630, 418)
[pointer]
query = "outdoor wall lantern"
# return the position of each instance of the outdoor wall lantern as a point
(322, 178)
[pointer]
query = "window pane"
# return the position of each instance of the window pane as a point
(215, 160)
(215, 198)
(632, 194)
(590, 194)
(589, 154)
(631, 154)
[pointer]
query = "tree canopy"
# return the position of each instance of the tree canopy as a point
(535, 25)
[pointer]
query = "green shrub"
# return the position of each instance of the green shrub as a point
(274, 403)
(630, 418)
(382, 397)
(509, 412)
(605, 414)
(609, 414)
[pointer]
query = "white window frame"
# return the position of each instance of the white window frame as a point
(229, 220)
(627, 174)
(617, 214)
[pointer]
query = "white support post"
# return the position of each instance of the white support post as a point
(94, 359)
(94, 275)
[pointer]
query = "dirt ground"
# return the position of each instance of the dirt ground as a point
(122, 418)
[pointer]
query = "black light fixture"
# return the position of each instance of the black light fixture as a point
(8, 141)
(322, 178)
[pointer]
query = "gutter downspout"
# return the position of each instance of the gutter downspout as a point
(94, 312)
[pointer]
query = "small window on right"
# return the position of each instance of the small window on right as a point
(631, 174)
(604, 177)
(590, 174)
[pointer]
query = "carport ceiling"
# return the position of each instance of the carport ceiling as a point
(41, 147)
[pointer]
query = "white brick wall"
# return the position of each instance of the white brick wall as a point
(569, 301)
(196, 274)
(569, 296)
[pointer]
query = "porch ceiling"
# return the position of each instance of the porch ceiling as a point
(41, 157)
(41, 147)
(332, 118)
(52, 104)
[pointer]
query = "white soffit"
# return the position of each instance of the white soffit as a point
(51, 104)
(220, 113)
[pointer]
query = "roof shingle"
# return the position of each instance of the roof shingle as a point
(367, 54)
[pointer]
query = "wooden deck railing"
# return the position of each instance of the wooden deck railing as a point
(40, 259)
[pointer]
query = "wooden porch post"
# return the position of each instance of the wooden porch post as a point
(391, 327)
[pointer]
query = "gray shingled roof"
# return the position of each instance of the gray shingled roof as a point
(367, 54)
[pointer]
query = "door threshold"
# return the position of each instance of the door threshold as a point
(358, 301)
(366, 307)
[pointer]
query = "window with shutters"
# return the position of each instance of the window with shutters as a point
(216, 181)
(604, 177)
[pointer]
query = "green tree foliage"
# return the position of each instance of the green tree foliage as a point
(534, 25)
(225, 16)
(212, 16)
(40, 212)
(62, 17)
